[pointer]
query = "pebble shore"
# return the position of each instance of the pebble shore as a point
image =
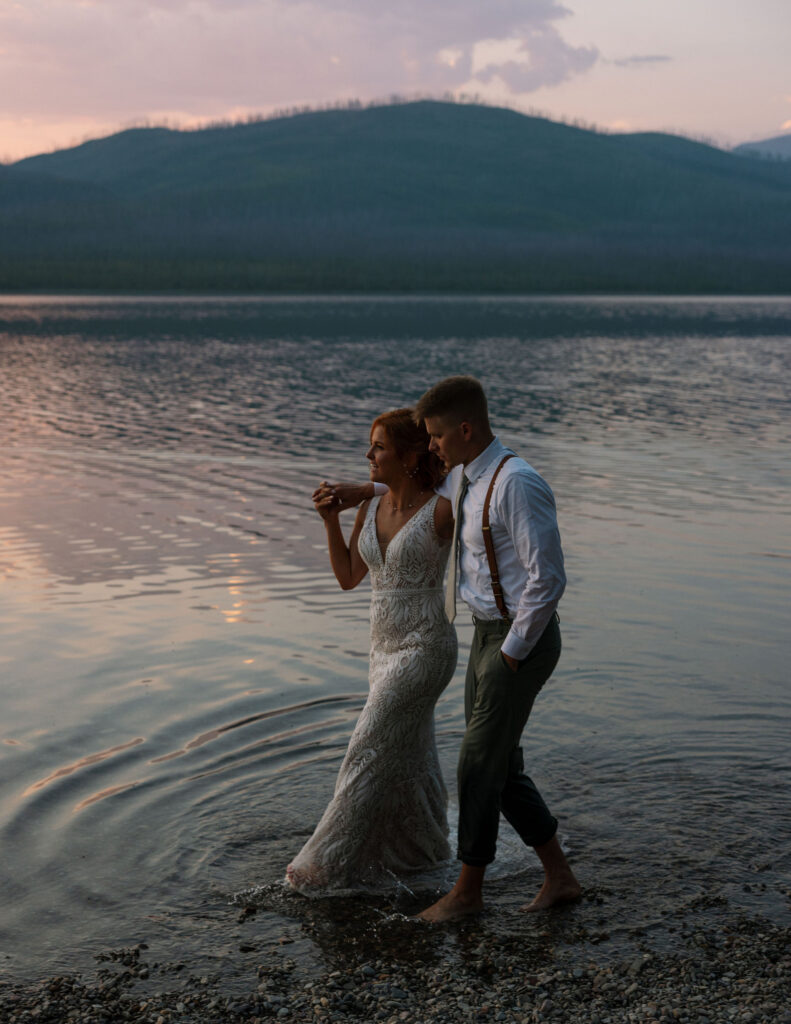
(739, 973)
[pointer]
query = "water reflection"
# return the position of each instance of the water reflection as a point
(181, 674)
(236, 376)
(83, 762)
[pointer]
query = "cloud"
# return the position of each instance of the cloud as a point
(542, 58)
(640, 61)
(128, 58)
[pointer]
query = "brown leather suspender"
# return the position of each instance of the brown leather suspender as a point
(487, 540)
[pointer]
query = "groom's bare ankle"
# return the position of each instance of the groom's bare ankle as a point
(456, 904)
(465, 898)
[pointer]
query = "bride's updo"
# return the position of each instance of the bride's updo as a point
(408, 436)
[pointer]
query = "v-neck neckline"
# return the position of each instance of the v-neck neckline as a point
(401, 528)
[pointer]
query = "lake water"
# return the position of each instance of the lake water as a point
(180, 673)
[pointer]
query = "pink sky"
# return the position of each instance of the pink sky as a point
(73, 69)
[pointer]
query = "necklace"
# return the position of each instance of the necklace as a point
(409, 504)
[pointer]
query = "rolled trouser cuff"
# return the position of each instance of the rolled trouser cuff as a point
(473, 862)
(536, 840)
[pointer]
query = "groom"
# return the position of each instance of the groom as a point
(506, 548)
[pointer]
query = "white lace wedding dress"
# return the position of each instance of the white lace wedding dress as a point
(388, 814)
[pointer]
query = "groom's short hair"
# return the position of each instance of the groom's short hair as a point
(457, 398)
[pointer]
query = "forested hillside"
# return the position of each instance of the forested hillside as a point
(422, 196)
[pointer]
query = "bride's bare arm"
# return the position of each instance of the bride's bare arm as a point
(345, 559)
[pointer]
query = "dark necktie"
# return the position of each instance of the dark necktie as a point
(450, 589)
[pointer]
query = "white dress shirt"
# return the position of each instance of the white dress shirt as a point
(526, 544)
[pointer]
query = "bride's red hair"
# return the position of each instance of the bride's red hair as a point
(408, 436)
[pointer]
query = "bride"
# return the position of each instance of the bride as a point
(388, 813)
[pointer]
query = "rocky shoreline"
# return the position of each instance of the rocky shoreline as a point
(738, 972)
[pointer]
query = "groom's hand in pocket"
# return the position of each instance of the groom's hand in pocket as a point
(512, 663)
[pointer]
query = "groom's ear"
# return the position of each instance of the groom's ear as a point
(466, 429)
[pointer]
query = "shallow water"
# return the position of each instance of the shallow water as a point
(181, 674)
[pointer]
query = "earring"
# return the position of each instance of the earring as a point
(412, 473)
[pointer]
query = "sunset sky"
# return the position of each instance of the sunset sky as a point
(72, 69)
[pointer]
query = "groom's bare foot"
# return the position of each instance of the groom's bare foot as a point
(453, 906)
(560, 885)
(555, 892)
(464, 899)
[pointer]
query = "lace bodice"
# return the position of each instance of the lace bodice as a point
(407, 597)
(415, 557)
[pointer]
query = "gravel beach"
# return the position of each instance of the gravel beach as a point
(738, 971)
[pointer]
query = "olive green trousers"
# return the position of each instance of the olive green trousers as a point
(491, 776)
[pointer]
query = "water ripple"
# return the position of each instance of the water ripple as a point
(181, 673)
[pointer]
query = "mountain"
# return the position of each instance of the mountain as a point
(778, 147)
(418, 196)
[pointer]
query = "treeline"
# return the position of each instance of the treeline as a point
(545, 271)
(352, 103)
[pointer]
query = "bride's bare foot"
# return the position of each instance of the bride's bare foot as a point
(554, 892)
(311, 877)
